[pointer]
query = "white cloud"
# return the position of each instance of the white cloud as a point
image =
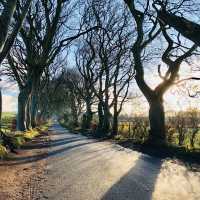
(9, 93)
(9, 103)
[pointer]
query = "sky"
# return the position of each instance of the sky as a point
(175, 99)
(9, 94)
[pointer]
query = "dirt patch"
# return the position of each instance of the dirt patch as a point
(22, 180)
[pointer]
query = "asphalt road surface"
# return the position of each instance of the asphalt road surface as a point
(79, 168)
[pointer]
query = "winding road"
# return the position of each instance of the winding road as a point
(79, 168)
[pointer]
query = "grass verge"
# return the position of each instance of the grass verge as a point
(17, 139)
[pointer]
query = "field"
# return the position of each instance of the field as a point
(179, 132)
(7, 119)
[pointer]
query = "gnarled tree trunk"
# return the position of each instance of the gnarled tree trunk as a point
(106, 120)
(22, 100)
(187, 28)
(34, 100)
(100, 117)
(115, 125)
(157, 132)
(88, 117)
(22, 105)
(5, 20)
(27, 113)
(0, 107)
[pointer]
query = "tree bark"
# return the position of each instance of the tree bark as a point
(115, 125)
(27, 113)
(187, 28)
(21, 112)
(5, 20)
(74, 113)
(157, 132)
(0, 107)
(33, 110)
(88, 117)
(34, 100)
(100, 117)
(22, 103)
(106, 120)
(192, 138)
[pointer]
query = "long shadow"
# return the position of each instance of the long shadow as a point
(34, 158)
(138, 183)
(53, 143)
(38, 143)
(61, 132)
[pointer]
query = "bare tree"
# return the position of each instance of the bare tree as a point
(155, 96)
(187, 28)
(111, 65)
(11, 8)
(8, 35)
(85, 63)
(42, 38)
(193, 125)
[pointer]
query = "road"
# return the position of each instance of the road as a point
(78, 168)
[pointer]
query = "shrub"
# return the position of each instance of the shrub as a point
(30, 134)
(3, 151)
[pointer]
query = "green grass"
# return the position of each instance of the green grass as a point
(8, 114)
(7, 118)
(3, 151)
(20, 138)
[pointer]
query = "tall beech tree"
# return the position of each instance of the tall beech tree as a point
(9, 31)
(41, 39)
(111, 46)
(154, 96)
(85, 62)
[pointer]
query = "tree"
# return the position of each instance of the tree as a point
(7, 35)
(85, 64)
(64, 98)
(187, 28)
(193, 125)
(42, 39)
(11, 8)
(0, 107)
(111, 46)
(154, 97)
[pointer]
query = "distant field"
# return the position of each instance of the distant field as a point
(139, 132)
(7, 118)
(8, 114)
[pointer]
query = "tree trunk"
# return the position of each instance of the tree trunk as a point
(0, 107)
(100, 116)
(157, 133)
(22, 103)
(33, 110)
(27, 113)
(106, 119)
(74, 113)
(5, 20)
(88, 117)
(187, 28)
(115, 125)
(192, 139)
(34, 101)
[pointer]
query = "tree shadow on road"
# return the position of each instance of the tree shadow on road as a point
(138, 183)
(55, 148)
(54, 143)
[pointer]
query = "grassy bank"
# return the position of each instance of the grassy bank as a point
(16, 139)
